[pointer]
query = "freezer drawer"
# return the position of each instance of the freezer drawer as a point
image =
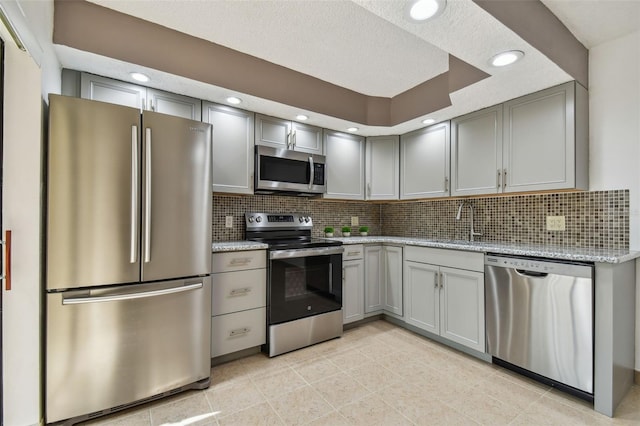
(109, 347)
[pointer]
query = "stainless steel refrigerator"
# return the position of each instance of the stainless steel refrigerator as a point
(128, 257)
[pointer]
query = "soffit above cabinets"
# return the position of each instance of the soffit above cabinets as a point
(343, 63)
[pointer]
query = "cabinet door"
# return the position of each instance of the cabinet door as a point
(344, 166)
(382, 168)
(306, 138)
(232, 148)
(373, 279)
(539, 140)
(422, 296)
(173, 104)
(274, 132)
(352, 290)
(393, 280)
(112, 91)
(424, 155)
(476, 152)
(462, 307)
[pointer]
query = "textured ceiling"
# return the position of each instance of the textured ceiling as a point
(365, 46)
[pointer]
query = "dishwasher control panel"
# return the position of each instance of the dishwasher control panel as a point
(540, 265)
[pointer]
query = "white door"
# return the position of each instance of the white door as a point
(393, 280)
(174, 104)
(424, 155)
(344, 166)
(382, 168)
(306, 138)
(273, 132)
(373, 279)
(352, 290)
(112, 91)
(422, 299)
(476, 152)
(462, 307)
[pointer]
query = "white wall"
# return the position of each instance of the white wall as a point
(614, 128)
(21, 213)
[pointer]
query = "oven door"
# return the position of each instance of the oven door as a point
(304, 282)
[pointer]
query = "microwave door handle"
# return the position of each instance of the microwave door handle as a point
(310, 172)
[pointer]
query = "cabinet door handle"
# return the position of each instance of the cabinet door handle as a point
(369, 190)
(441, 280)
(435, 280)
(504, 178)
(7, 260)
(240, 291)
(239, 332)
(446, 184)
(289, 140)
(294, 138)
(499, 180)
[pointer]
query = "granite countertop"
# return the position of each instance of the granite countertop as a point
(563, 253)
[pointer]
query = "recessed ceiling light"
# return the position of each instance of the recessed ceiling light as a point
(428, 121)
(302, 117)
(506, 58)
(421, 10)
(234, 100)
(138, 76)
(352, 129)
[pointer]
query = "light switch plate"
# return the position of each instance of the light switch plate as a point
(228, 221)
(555, 223)
(355, 221)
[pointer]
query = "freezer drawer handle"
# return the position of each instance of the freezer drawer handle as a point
(130, 296)
(239, 332)
(7, 260)
(240, 291)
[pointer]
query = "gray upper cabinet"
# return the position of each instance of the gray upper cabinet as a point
(382, 169)
(232, 148)
(476, 152)
(345, 165)
(546, 140)
(122, 93)
(424, 159)
(285, 134)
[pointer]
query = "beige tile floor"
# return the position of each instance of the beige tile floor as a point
(375, 374)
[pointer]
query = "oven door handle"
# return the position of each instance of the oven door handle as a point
(293, 253)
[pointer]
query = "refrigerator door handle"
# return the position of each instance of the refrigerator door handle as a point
(130, 296)
(147, 198)
(135, 183)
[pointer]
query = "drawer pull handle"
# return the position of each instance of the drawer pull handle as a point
(240, 261)
(240, 291)
(353, 253)
(239, 332)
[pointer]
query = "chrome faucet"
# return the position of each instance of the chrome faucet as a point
(472, 232)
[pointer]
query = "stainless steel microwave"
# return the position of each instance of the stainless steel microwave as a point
(287, 172)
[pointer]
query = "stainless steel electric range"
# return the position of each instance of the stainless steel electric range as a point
(304, 281)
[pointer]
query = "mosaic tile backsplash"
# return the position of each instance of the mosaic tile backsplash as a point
(597, 219)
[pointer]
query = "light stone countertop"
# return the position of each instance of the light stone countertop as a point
(562, 253)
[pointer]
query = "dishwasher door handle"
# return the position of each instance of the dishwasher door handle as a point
(532, 274)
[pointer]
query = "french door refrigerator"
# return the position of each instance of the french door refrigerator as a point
(128, 257)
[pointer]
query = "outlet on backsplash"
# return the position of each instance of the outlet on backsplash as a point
(228, 221)
(556, 223)
(355, 221)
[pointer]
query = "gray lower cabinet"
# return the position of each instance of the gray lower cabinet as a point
(238, 301)
(122, 93)
(383, 279)
(443, 298)
(232, 151)
(345, 165)
(353, 283)
(424, 159)
(285, 134)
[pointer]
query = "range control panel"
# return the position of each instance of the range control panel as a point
(266, 221)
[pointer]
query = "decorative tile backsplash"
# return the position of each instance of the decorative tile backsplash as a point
(597, 219)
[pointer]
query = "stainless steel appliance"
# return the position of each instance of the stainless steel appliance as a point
(539, 317)
(128, 257)
(304, 284)
(284, 171)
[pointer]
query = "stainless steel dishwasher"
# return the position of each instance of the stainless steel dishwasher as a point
(539, 318)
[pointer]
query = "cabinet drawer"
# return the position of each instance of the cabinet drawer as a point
(238, 291)
(237, 331)
(353, 252)
(238, 260)
(460, 259)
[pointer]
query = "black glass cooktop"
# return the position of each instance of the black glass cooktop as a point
(296, 243)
